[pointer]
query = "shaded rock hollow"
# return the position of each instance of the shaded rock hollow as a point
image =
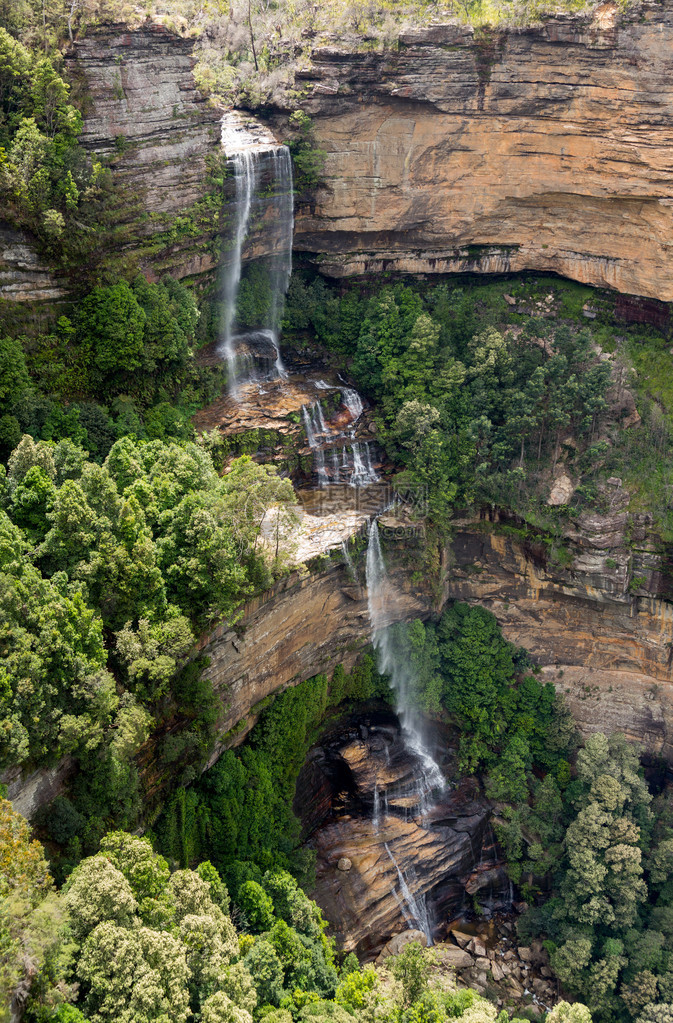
(388, 858)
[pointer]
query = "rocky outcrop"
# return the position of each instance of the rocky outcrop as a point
(547, 148)
(24, 277)
(142, 109)
(603, 641)
(390, 856)
(307, 624)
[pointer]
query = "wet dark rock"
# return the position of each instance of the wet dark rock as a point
(412, 853)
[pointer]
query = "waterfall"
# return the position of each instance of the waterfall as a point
(414, 907)
(362, 472)
(314, 425)
(376, 816)
(352, 401)
(391, 663)
(351, 569)
(245, 183)
(281, 268)
(250, 157)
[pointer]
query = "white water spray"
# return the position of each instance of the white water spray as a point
(414, 907)
(390, 662)
(245, 182)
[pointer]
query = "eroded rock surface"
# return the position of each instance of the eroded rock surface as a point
(605, 646)
(143, 108)
(412, 853)
(546, 148)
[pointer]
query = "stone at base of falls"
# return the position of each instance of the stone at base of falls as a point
(462, 939)
(451, 955)
(400, 941)
(359, 798)
(344, 863)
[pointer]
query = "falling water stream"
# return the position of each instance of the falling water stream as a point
(251, 161)
(430, 781)
(350, 461)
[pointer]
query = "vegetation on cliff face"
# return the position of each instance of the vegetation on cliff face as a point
(122, 362)
(48, 183)
(107, 574)
(481, 401)
(239, 815)
(586, 842)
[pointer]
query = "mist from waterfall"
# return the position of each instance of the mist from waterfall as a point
(251, 162)
(392, 664)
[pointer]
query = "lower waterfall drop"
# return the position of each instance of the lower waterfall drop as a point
(391, 664)
(414, 907)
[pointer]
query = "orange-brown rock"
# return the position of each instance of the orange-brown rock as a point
(607, 648)
(410, 853)
(305, 625)
(546, 148)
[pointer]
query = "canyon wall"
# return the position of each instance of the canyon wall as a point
(143, 112)
(545, 148)
(603, 645)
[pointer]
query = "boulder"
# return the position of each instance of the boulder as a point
(460, 938)
(451, 955)
(398, 941)
(497, 971)
(562, 490)
(344, 863)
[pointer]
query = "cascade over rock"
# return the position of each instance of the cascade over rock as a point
(407, 869)
(545, 148)
(581, 624)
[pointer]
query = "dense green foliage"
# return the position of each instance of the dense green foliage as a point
(107, 572)
(122, 363)
(508, 721)
(239, 815)
(468, 410)
(128, 941)
(606, 846)
(48, 183)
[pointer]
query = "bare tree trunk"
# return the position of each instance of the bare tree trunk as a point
(252, 35)
(73, 5)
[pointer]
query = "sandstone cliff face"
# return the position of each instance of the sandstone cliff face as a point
(540, 149)
(23, 275)
(606, 648)
(141, 104)
(390, 856)
(306, 625)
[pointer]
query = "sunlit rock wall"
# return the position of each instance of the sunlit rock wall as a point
(545, 149)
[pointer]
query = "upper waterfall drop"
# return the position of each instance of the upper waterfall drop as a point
(262, 179)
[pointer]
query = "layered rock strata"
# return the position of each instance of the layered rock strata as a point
(387, 861)
(546, 148)
(603, 642)
(143, 110)
(24, 277)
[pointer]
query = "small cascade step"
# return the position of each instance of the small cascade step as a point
(348, 460)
